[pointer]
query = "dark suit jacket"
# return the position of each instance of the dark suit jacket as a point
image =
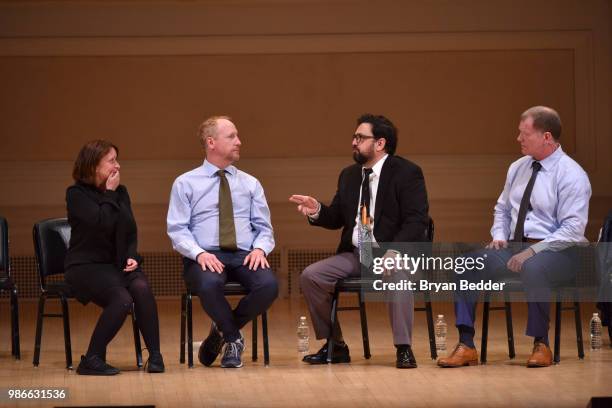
(401, 210)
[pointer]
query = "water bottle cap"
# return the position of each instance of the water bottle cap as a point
(595, 314)
(440, 316)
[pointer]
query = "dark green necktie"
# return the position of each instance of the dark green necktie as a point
(227, 230)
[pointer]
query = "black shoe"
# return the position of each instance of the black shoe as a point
(340, 355)
(405, 358)
(211, 347)
(155, 363)
(94, 365)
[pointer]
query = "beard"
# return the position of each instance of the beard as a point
(362, 157)
(359, 158)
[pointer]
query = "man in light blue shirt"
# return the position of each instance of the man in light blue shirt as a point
(219, 220)
(543, 211)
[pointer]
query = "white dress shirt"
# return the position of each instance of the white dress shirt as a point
(559, 202)
(374, 179)
(193, 213)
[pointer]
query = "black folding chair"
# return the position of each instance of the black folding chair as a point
(230, 289)
(6, 283)
(356, 285)
(51, 240)
(514, 284)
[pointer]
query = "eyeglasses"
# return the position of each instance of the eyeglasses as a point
(360, 138)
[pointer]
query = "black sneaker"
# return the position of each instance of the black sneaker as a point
(211, 347)
(94, 365)
(155, 363)
(232, 355)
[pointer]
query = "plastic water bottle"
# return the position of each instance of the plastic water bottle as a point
(303, 335)
(440, 331)
(595, 326)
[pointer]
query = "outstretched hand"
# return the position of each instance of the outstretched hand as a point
(307, 205)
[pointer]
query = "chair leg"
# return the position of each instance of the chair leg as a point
(39, 327)
(15, 347)
(264, 335)
(557, 355)
(189, 331)
(509, 328)
(183, 324)
(254, 339)
(67, 342)
(485, 328)
(579, 341)
(365, 336)
(430, 328)
(334, 316)
(137, 345)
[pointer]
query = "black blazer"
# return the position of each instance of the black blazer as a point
(401, 211)
(103, 229)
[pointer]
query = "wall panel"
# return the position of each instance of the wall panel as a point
(294, 74)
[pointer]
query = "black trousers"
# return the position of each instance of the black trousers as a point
(208, 285)
(114, 291)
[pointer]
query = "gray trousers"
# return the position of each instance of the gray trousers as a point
(318, 282)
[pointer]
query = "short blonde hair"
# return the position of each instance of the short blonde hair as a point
(208, 128)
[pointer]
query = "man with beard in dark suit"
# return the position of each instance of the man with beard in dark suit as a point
(392, 191)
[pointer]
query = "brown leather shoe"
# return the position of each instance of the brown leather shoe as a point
(461, 356)
(541, 356)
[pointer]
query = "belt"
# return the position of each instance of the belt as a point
(531, 240)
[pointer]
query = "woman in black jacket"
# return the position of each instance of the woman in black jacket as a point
(102, 264)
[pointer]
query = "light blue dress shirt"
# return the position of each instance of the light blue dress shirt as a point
(559, 201)
(193, 213)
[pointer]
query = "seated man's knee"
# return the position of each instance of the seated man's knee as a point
(270, 287)
(532, 273)
(308, 275)
(266, 286)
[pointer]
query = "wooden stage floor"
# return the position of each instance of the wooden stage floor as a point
(288, 382)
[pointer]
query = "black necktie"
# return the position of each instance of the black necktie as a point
(365, 191)
(519, 230)
(227, 230)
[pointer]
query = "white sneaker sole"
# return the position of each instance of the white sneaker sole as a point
(231, 366)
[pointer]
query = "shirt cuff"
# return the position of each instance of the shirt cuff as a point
(265, 247)
(539, 247)
(500, 236)
(315, 216)
(193, 254)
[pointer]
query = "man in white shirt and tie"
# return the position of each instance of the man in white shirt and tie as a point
(543, 211)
